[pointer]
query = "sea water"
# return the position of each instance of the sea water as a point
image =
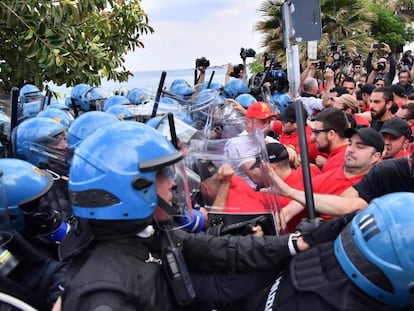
(150, 80)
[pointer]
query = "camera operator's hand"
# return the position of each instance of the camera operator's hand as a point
(372, 49)
(202, 69)
(329, 74)
(230, 69)
(386, 48)
(315, 231)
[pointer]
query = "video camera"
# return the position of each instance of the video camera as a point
(245, 53)
(381, 66)
(202, 62)
(236, 70)
(356, 60)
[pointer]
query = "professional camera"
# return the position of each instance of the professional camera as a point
(407, 60)
(236, 70)
(320, 64)
(381, 66)
(334, 66)
(378, 46)
(244, 53)
(202, 62)
(356, 60)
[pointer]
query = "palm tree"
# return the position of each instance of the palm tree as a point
(345, 21)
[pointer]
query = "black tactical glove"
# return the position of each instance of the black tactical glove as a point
(315, 231)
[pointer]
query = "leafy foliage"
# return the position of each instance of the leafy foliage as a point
(68, 41)
(354, 23)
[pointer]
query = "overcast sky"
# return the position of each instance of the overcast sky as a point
(190, 29)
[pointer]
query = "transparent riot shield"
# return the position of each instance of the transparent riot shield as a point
(233, 203)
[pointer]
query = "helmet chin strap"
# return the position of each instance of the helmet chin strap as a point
(170, 209)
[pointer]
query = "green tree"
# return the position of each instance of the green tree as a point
(68, 41)
(353, 23)
(390, 27)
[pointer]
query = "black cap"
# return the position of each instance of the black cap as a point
(369, 136)
(277, 152)
(289, 114)
(398, 90)
(396, 127)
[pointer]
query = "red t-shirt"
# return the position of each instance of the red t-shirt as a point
(293, 140)
(295, 180)
(402, 154)
(333, 182)
(335, 159)
(242, 198)
(361, 121)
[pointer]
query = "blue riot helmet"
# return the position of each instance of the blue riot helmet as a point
(376, 250)
(118, 173)
(115, 100)
(246, 100)
(77, 93)
(179, 81)
(93, 99)
(65, 108)
(33, 206)
(42, 142)
(30, 93)
(59, 115)
(121, 111)
(213, 86)
(182, 90)
(281, 100)
(137, 96)
(86, 124)
(279, 81)
(234, 88)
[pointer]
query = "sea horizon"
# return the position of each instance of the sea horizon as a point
(149, 80)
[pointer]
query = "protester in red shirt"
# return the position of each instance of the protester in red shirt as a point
(279, 162)
(363, 151)
(288, 132)
(349, 104)
(396, 134)
(227, 192)
(329, 128)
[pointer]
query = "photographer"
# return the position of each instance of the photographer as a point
(239, 71)
(234, 71)
(201, 64)
(384, 68)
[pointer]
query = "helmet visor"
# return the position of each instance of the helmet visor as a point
(175, 209)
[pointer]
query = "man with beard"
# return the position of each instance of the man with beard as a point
(362, 153)
(329, 132)
(381, 101)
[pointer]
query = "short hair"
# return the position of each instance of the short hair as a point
(404, 70)
(386, 93)
(349, 79)
(309, 84)
(333, 118)
(410, 108)
(340, 90)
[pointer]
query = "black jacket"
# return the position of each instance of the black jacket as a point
(117, 272)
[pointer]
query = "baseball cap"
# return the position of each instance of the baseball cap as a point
(289, 114)
(396, 127)
(398, 90)
(277, 152)
(260, 110)
(369, 136)
(348, 100)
